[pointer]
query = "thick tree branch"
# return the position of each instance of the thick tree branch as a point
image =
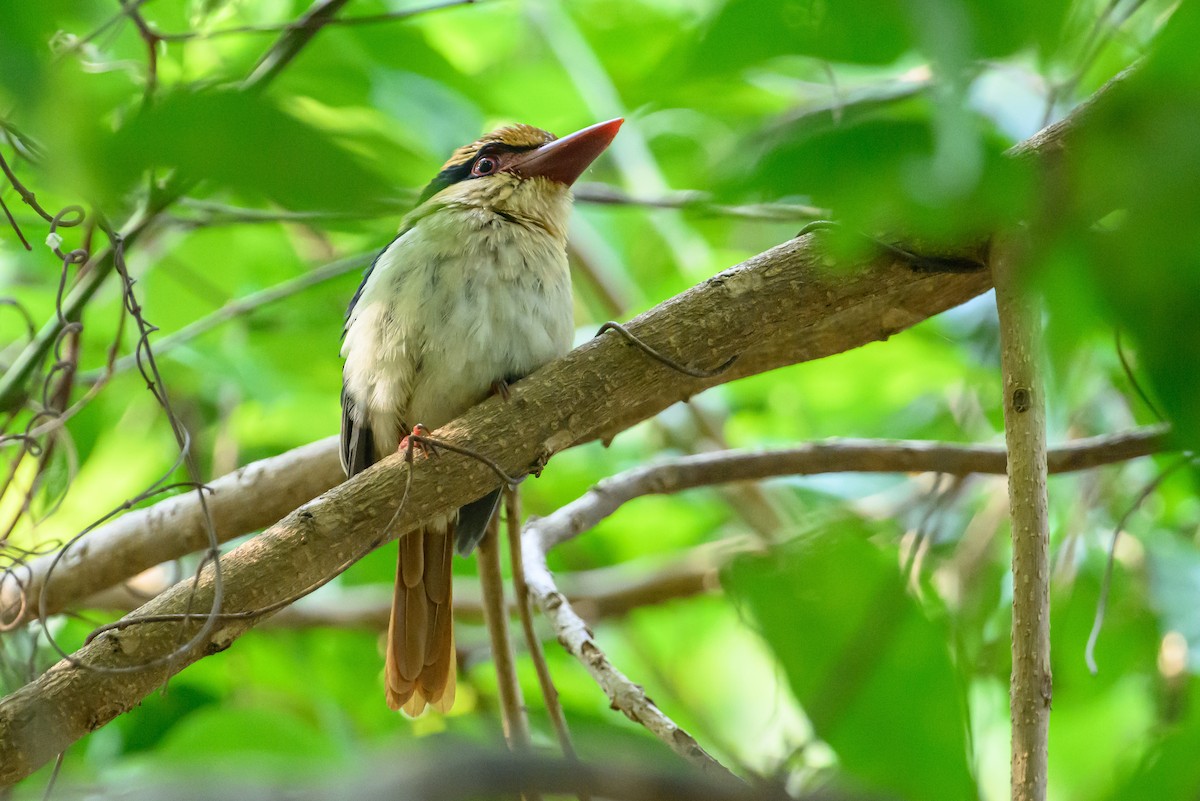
(781, 307)
(243, 501)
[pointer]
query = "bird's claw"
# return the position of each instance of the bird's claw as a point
(415, 441)
(539, 463)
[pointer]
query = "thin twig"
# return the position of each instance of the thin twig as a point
(694, 372)
(495, 617)
(830, 456)
(1132, 377)
(624, 695)
(492, 464)
(151, 40)
(16, 228)
(295, 37)
(1089, 652)
(307, 23)
(246, 305)
(512, 512)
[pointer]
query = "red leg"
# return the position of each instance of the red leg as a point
(413, 442)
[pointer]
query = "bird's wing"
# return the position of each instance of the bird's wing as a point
(358, 446)
(358, 442)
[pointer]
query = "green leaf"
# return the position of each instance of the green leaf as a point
(255, 738)
(950, 32)
(24, 47)
(1170, 768)
(241, 142)
(1130, 224)
(902, 171)
(871, 671)
(745, 32)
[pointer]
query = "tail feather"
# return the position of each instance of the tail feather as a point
(420, 666)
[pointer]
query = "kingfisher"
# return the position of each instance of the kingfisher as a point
(472, 294)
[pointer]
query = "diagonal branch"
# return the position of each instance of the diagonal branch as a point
(575, 635)
(781, 307)
(243, 501)
(293, 40)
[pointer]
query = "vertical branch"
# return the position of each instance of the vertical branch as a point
(495, 616)
(512, 514)
(1025, 434)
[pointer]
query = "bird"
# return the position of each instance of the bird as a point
(472, 294)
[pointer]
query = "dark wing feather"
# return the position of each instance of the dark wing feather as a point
(473, 520)
(358, 441)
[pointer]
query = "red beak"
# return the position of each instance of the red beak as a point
(564, 160)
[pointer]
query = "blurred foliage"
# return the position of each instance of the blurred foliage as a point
(871, 647)
(857, 651)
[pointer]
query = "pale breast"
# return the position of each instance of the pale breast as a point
(462, 300)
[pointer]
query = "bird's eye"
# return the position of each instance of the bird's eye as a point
(484, 165)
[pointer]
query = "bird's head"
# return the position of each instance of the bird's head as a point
(519, 172)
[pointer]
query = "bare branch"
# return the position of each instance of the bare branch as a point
(1025, 432)
(687, 472)
(778, 308)
(600, 593)
(830, 456)
(495, 617)
(625, 696)
(243, 501)
(260, 493)
(512, 514)
(781, 307)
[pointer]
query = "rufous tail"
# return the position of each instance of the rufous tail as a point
(420, 666)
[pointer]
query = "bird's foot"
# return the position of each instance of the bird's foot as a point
(416, 441)
(500, 387)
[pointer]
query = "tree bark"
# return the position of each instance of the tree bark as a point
(1025, 434)
(778, 308)
(781, 307)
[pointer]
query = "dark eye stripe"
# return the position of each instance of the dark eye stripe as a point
(461, 172)
(447, 177)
